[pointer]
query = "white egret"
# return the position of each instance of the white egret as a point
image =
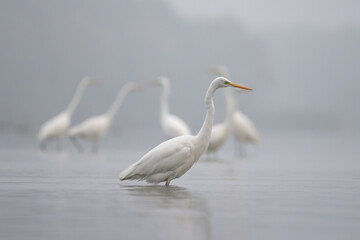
(56, 127)
(95, 128)
(243, 128)
(172, 158)
(171, 125)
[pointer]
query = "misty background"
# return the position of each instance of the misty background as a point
(301, 58)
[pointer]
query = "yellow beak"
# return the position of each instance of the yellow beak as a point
(240, 86)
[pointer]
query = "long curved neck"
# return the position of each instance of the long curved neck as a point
(165, 100)
(203, 136)
(118, 101)
(76, 98)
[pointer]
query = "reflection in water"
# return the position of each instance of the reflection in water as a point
(173, 207)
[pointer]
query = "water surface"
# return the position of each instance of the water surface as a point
(293, 186)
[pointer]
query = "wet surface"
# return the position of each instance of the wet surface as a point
(293, 186)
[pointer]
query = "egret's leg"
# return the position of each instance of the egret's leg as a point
(242, 149)
(216, 155)
(43, 146)
(236, 148)
(59, 145)
(167, 182)
(76, 144)
(95, 147)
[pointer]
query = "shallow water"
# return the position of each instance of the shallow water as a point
(293, 186)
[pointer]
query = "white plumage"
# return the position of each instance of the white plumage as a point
(56, 127)
(172, 158)
(171, 125)
(95, 128)
(243, 128)
(174, 126)
(167, 161)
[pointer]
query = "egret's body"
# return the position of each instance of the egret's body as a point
(172, 158)
(171, 125)
(95, 128)
(243, 128)
(92, 129)
(56, 127)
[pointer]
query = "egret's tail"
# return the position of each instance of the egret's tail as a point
(127, 173)
(255, 137)
(130, 173)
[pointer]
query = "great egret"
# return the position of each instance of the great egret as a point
(242, 127)
(56, 127)
(172, 158)
(95, 128)
(171, 125)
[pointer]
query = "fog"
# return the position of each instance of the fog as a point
(300, 57)
(302, 63)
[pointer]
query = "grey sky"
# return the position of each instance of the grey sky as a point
(264, 15)
(301, 59)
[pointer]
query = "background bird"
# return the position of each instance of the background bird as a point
(172, 158)
(56, 127)
(95, 128)
(171, 125)
(243, 128)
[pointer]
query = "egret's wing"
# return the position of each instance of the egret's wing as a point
(91, 126)
(55, 126)
(166, 157)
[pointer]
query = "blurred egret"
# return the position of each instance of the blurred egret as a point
(56, 127)
(242, 127)
(171, 125)
(96, 127)
(221, 131)
(172, 158)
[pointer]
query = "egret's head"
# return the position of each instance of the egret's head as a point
(160, 81)
(219, 70)
(136, 87)
(223, 82)
(131, 86)
(90, 81)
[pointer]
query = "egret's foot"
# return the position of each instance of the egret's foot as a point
(76, 144)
